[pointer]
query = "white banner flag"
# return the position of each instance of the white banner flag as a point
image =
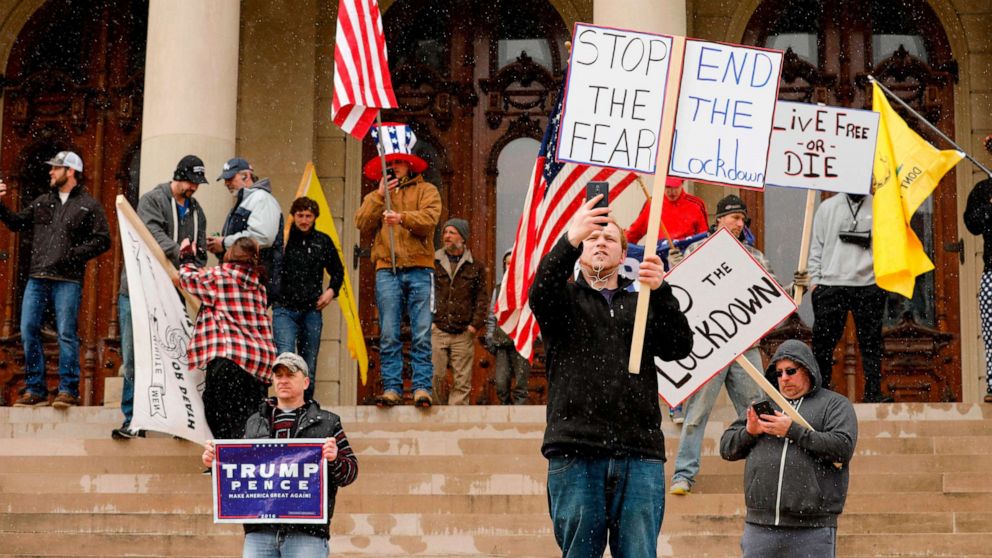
(167, 394)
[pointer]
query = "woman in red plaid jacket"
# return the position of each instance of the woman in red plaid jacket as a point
(232, 338)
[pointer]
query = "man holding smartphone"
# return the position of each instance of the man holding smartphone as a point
(795, 479)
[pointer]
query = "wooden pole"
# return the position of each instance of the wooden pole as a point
(385, 192)
(661, 174)
(804, 246)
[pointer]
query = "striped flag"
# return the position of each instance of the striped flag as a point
(557, 190)
(362, 84)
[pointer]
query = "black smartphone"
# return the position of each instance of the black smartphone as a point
(763, 408)
(390, 174)
(596, 188)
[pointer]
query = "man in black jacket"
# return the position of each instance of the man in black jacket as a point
(69, 228)
(605, 448)
(289, 415)
(296, 318)
(795, 479)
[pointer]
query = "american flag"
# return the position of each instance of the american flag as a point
(557, 190)
(361, 73)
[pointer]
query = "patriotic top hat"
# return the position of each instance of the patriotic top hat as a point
(398, 142)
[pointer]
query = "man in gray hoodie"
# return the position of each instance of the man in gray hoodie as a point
(795, 479)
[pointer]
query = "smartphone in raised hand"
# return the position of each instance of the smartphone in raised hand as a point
(595, 188)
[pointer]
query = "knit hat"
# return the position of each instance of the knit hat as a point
(293, 362)
(730, 204)
(190, 169)
(396, 145)
(460, 225)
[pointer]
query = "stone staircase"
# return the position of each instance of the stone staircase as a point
(471, 482)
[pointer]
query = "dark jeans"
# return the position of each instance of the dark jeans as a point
(229, 398)
(830, 308)
(764, 541)
(298, 331)
(127, 356)
(595, 500)
(64, 296)
(511, 366)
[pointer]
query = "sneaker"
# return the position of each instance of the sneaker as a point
(64, 400)
(207, 472)
(680, 487)
(422, 398)
(125, 433)
(988, 398)
(31, 400)
(388, 398)
(677, 414)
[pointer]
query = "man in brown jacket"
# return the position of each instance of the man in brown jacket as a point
(414, 214)
(460, 300)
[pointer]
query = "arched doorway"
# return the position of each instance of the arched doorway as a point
(831, 48)
(471, 76)
(73, 80)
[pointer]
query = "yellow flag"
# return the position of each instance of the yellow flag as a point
(907, 169)
(310, 187)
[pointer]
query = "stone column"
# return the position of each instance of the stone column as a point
(191, 94)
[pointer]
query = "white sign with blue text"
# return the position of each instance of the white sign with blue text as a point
(614, 98)
(725, 112)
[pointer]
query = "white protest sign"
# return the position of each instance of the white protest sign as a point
(614, 98)
(724, 120)
(822, 148)
(730, 302)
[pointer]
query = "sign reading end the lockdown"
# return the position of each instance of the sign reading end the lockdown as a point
(724, 119)
(822, 148)
(730, 302)
(614, 98)
(270, 481)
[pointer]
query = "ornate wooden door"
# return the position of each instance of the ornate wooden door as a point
(74, 81)
(471, 76)
(831, 48)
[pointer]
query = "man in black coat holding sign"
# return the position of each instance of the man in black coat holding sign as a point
(606, 451)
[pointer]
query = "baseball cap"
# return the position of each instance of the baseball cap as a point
(191, 169)
(233, 167)
(66, 159)
(293, 362)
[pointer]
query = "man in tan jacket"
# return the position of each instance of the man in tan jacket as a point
(415, 208)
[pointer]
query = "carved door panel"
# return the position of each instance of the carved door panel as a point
(831, 48)
(73, 81)
(470, 76)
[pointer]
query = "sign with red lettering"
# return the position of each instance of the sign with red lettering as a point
(822, 148)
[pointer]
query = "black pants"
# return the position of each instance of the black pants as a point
(230, 396)
(830, 308)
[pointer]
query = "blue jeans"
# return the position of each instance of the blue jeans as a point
(273, 543)
(620, 498)
(127, 356)
(412, 290)
(298, 331)
(65, 295)
(742, 390)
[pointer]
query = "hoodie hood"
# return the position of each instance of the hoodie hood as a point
(800, 353)
(262, 184)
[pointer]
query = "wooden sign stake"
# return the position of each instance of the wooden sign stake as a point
(804, 247)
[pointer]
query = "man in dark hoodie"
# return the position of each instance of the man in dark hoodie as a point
(605, 448)
(795, 479)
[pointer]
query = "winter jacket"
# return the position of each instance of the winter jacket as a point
(257, 215)
(978, 217)
(160, 214)
(64, 236)
(459, 293)
(420, 206)
(793, 481)
(315, 423)
(683, 217)
(595, 406)
(833, 262)
(307, 256)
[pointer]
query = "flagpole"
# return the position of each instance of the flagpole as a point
(886, 90)
(385, 191)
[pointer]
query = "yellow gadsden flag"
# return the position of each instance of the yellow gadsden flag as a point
(310, 187)
(907, 169)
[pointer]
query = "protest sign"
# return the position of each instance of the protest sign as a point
(730, 301)
(614, 98)
(822, 148)
(167, 393)
(725, 111)
(270, 481)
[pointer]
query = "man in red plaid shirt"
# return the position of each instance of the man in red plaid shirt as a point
(232, 338)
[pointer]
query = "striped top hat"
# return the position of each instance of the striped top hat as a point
(397, 145)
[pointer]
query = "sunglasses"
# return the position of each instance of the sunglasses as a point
(788, 371)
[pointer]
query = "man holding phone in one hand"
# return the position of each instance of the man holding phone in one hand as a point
(795, 479)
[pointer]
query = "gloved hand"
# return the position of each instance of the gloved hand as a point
(801, 279)
(675, 257)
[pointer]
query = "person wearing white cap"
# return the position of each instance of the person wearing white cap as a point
(69, 228)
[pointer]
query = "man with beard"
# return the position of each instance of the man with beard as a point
(460, 313)
(603, 441)
(171, 215)
(69, 228)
